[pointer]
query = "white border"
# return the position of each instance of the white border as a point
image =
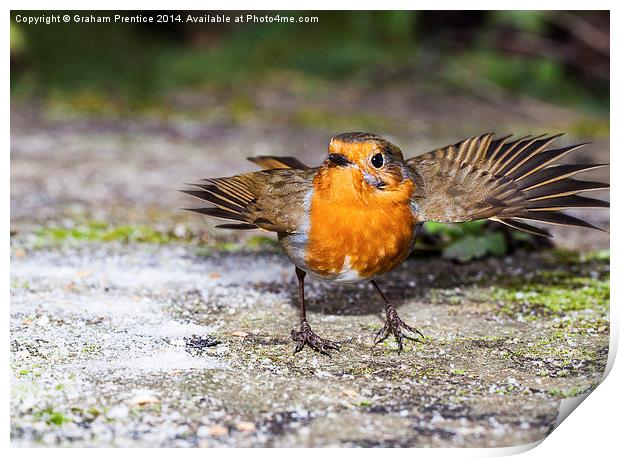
(312, 5)
(589, 430)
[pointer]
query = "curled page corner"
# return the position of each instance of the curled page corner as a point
(568, 405)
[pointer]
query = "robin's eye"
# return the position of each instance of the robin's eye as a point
(377, 160)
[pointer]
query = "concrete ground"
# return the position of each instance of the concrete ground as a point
(134, 324)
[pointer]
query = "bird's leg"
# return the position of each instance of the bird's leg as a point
(393, 324)
(306, 335)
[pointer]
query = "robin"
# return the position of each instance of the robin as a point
(355, 217)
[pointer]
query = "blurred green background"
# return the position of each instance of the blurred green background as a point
(138, 109)
(559, 56)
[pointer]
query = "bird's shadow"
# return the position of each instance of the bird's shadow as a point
(357, 299)
(418, 279)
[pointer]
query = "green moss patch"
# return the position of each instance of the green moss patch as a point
(565, 393)
(80, 232)
(553, 294)
(98, 231)
(52, 417)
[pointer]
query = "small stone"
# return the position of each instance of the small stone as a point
(245, 426)
(70, 286)
(350, 393)
(82, 273)
(202, 431)
(197, 345)
(180, 231)
(43, 321)
(218, 431)
(118, 412)
(143, 397)
(240, 334)
(49, 438)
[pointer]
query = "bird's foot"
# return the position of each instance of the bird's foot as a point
(307, 336)
(394, 325)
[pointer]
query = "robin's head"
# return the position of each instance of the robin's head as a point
(378, 162)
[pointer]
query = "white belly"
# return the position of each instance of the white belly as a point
(347, 274)
(294, 246)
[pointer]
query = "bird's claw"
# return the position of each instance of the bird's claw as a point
(394, 325)
(307, 336)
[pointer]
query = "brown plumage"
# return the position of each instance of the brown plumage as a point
(266, 200)
(355, 217)
(508, 182)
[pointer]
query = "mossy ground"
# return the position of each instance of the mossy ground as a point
(581, 288)
(75, 233)
(102, 349)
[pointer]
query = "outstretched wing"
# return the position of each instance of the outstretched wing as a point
(510, 182)
(268, 199)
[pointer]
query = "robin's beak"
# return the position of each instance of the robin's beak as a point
(338, 159)
(373, 180)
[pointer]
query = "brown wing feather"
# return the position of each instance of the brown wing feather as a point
(269, 199)
(487, 178)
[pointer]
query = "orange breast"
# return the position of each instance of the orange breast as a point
(357, 232)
